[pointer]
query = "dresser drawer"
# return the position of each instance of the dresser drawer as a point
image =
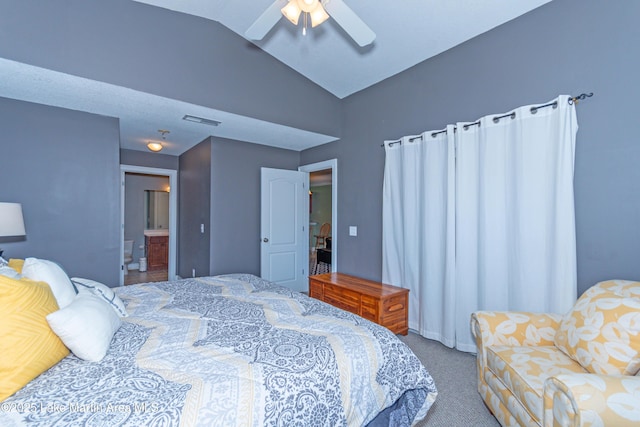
(157, 239)
(369, 307)
(399, 326)
(394, 314)
(316, 290)
(343, 298)
(394, 306)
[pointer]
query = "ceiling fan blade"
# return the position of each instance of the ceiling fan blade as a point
(266, 21)
(350, 22)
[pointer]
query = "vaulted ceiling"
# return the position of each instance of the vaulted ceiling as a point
(407, 33)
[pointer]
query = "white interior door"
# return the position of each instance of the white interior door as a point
(284, 218)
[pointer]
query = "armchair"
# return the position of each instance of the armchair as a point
(549, 370)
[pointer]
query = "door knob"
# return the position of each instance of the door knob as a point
(265, 240)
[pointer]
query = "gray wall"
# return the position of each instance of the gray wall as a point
(165, 53)
(220, 187)
(566, 46)
(62, 165)
(194, 201)
(235, 202)
(134, 199)
(148, 159)
(563, 47)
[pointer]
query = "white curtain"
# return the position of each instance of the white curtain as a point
(481, 217)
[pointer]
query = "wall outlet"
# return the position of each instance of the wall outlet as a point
(193, 272)
(353, 230)
(202, 228)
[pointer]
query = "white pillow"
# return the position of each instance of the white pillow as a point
(42, 270)
(101, 290)
(9, 272)
(86, 326)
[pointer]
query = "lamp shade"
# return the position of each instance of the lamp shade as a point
(318, 15)
(11, 220)
(292, 11)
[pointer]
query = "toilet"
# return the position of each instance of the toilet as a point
(128, 254)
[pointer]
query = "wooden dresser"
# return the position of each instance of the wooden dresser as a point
(383, 304)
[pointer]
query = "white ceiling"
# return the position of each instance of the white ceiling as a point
(407, 32)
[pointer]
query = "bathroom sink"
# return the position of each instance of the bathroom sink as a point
(160, 232)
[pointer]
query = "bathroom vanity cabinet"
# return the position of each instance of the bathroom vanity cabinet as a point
(157, 252)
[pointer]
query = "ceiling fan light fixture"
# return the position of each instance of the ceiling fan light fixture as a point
(308, 6)
(321, 10)
(292, 11)
(318, 15)
(154, 146)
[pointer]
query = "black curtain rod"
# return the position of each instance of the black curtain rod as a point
(496, 119)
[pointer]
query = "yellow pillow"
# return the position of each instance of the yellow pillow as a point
(602, 331)
(28, 346)
(16, 264)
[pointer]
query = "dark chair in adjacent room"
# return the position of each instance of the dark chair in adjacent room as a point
(323, 258)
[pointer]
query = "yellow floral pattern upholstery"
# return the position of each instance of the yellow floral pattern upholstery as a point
(594, 400)
(602, 332)
(523, 371)
(525, 380)
(512, 329)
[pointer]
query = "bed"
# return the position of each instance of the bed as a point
(232, 350)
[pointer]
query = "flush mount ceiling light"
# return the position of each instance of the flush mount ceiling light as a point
(316, 10)
(156, 146)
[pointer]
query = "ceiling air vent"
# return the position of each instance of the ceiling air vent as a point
(202, 120)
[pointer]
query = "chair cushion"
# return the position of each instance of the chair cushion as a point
(602, 331)
(523, 371)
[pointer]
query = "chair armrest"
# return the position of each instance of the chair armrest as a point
(512, 328)
(581, 400)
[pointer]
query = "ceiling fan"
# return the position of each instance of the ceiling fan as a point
(317, 11)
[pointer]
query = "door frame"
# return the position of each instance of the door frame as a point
(319, 166)
(173, 213)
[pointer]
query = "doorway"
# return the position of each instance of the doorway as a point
(154, 228)
(323, 210)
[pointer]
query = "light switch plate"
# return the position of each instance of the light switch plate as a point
(353, 230)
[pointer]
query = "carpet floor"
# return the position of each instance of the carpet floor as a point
(458, 403)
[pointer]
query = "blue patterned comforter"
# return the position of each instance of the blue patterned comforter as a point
(232, 350)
